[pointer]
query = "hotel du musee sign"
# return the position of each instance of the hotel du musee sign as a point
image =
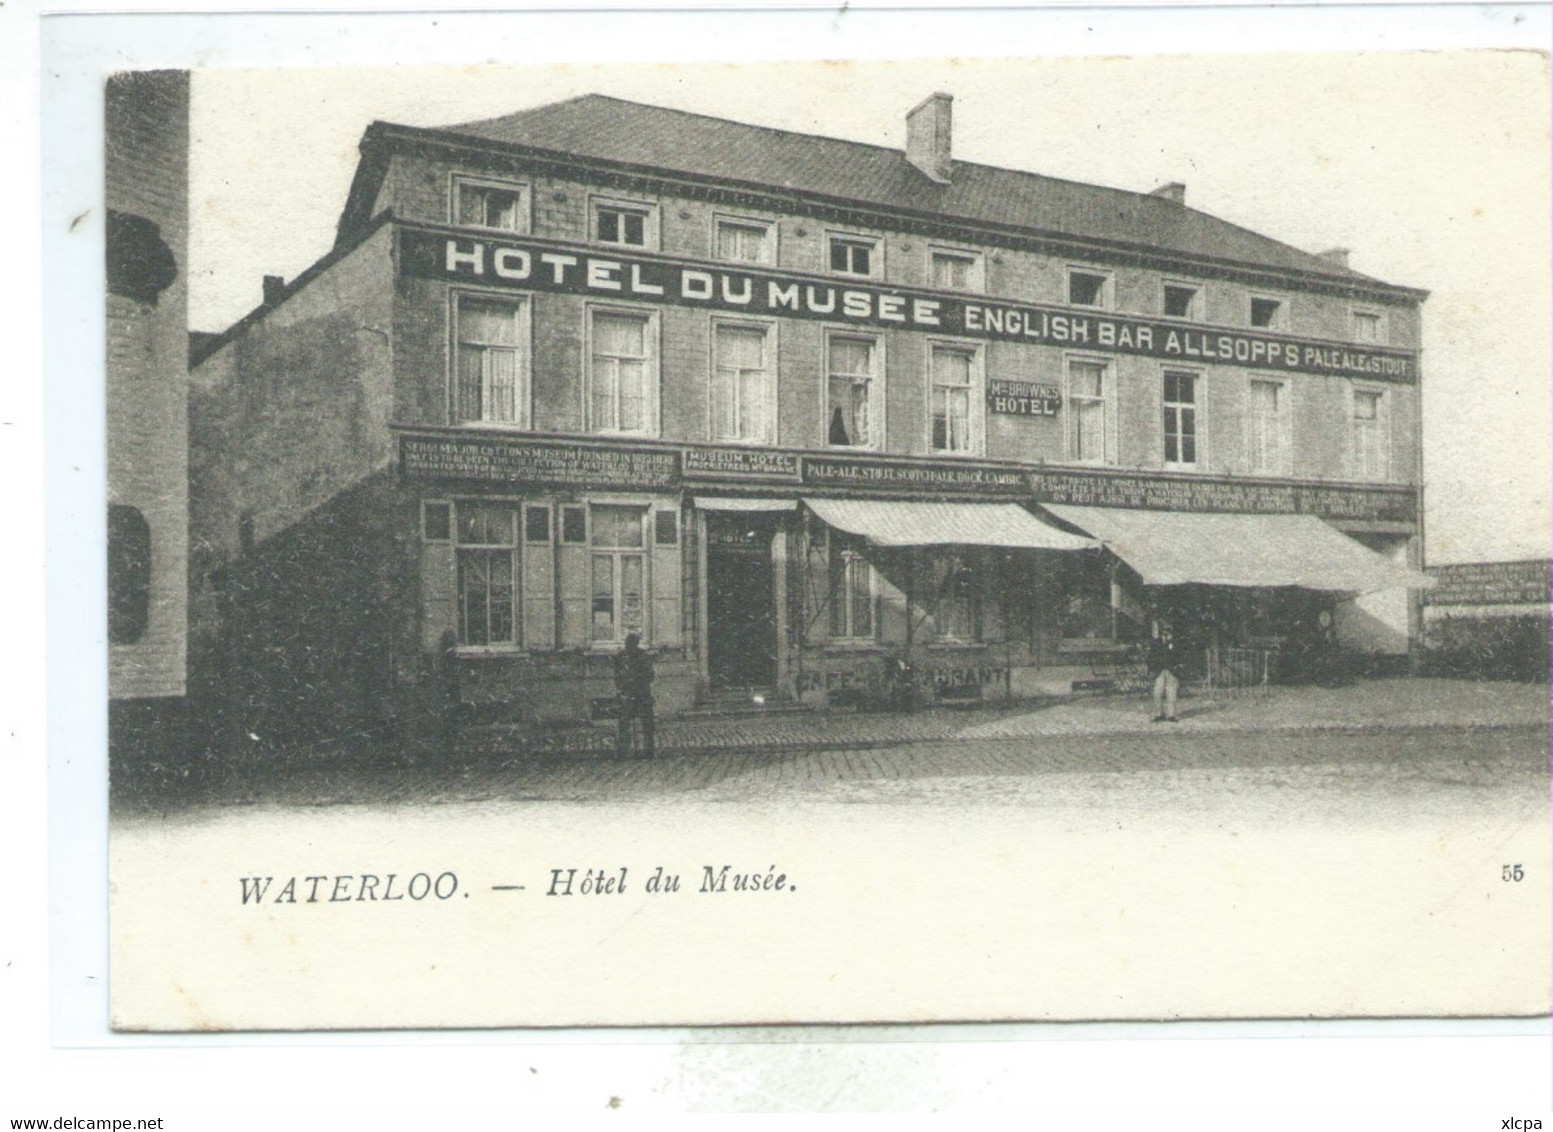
(543, 265)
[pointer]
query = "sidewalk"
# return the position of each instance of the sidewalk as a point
(1377, 705)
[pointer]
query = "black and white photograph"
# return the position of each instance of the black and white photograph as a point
(1041, 539)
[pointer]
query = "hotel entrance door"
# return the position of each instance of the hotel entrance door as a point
(741, 636)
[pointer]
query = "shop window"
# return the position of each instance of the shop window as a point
(1086, 602)
(1088, 288)
(624, 224)
(1089, 394)
(1181, 390)
(1268, 427)
(854, 255)
(1182, 300)
(955, 400)
(666, 528)
(1371, 450)
(574, 525)
(958, 611)
(852, 373)
(491, 352)
(1369, 326)
(436, 521)
(742, 383)
(746, 241)
(618, 573)
(851, 591)
(486, 554)
(1267, 313)
(622, 372)
(129, 574)
(536, 524)
(490, 204)
(957, 270)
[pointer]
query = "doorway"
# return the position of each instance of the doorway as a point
(741, 630)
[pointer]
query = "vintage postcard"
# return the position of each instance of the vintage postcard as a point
(1022, 540)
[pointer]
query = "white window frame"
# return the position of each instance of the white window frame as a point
(514, 508)
(522, 302)
(737, 220)
(1199, 419)
(1285, 424)
(1280, 316)
(976, 412)
(1107, 408)
(977, 281)
(1382, 329)
(1194, 310)
(875, 259)
(522, 213)
(768, 328)
(651, 397)
(644, 552)
(1383, 430)
(648, 208)
(876, 389)
(856, 557)
(1107, 298)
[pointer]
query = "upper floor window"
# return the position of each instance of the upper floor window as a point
(1370, 437)
(625, 224)
(955, 401)
(852, 393)
(485, 556)
(743, 384)
(490, 204)
(1089, 395)
(956, 270)
(618, 569)
(1182, 300)
(1268, 422)
(1181, 392)
(1369, 326)
(745, 240)
(622, 371)
(851, 590)
(491, 354)
(855, 255)
(1268, 313)
(1089, 288)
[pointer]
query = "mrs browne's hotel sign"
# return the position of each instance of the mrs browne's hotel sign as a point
(539, 265)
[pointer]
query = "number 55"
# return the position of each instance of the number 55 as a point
(1511, 872)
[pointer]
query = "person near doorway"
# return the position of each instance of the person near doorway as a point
(1165, 668)
(633, 684)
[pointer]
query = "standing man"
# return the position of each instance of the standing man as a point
(633, 683)
(1164, 666)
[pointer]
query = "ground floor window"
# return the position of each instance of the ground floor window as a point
(486, 555)
(851, 591)
(618, 573)
(957, 608)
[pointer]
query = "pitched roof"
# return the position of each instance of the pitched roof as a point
(602, 128)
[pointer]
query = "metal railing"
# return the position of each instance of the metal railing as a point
(1238, 672)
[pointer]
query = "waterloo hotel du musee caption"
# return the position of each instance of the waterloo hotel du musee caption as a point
(787, 407)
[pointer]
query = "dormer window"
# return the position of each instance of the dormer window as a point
(500, 205)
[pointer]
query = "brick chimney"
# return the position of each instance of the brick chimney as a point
(1338, 256)
(274, 289)
(1171, 191)
(928, 137)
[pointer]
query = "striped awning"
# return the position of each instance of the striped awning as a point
(1173, 548)
(910, 523)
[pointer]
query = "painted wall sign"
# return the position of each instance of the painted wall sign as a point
(506, 461)
(484, 458)
(1023, 398)
(1491, 583)
(543, 265)
(1168, 493)
(740, 463)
